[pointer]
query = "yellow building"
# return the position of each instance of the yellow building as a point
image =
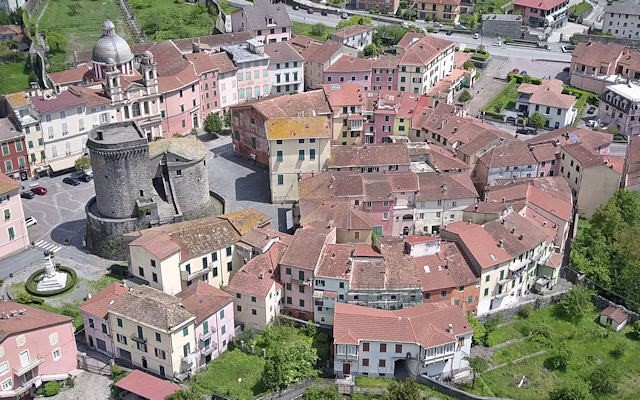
(438, 10)
(151, 330)
(297, 147)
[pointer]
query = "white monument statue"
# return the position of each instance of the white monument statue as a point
(52, 279)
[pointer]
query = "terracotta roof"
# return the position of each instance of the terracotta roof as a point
(538, 4)
(445, 269)
(377, 186)
(325, 185)
(594, 54)
(55, 102)
(336, 262)
(585, 156)
(386, 62)
(346, 63)
(260, 237)
(202, 62)
(443, 159)
(32, 319)
(307, 104)
(395, 270)
(257, 277)
(425, 324)
(203, 300)
(98, 304)
(10, 29)
(516, 233)
(544, 152)
(343, 94)
(548, 93)
(214, 42)
(554, 261)
(281, 52)
(92, 97)
(320, 53)
(460, 57)
(152, 307)
(408, 39)
(479, 244)
(244, 220)
(298, 128)
(147, 386)
(224, 63)
(305, 249)
(568, 135)
(403, 181)
(366, 250)
(512, 153)
(82, 72)
(174, 70)
(333, 213)
(618, 314)
(351, 31)
(458, 186)
(382, 154)
(632, 162)
(425, 50)
(8, 185)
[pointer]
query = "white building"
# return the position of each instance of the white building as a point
(286, 68)
(621, 107)
(355, 36)
(423, 62)
(431, 339)
(622, 19)
(547, 99)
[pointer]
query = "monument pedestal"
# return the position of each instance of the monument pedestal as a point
(52, 279)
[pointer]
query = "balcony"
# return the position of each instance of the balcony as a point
(206, 335)
(438, 357)
(138, 339)
(31, 365)
(299, 282)
(186, 276)
(205, 351)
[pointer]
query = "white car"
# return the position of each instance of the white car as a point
(476, 35)
(30, 221)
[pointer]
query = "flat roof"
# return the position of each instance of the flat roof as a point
(628, 91)
(120, 132)
(241, 53)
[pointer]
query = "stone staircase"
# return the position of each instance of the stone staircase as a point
(132, 21)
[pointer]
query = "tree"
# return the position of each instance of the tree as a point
(184, 395)
(83, 163)
(56, 40)
(321, 393)
(479, 333)
(468, 65)
(478, 365)
(537, 120)
(371, 50)
(389, 35)
(213, 124)
(465, 96)
(572, 391)
(227, 118)
(319, 30)
(604, 380)
(402, 390)
(576, 303)
(290, 363)
(560, 359)
(355, 20)
(635, 328)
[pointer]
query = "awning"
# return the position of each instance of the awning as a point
(63, 164)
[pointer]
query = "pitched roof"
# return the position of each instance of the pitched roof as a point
(585, 156)
(244, 220)
(425, 324)
(258, 276)
(174, 70)
(298, 128)
(307, 104)
(548, 93)
(424, 50)
(508, 154)
(595, 54)
(336, 262)
(442, 159)
(632, 162)
(305, 249)
(478, 243)
(82, 72)
(568, 135)
(147, 386)
(346, 63)
(281, 52)
(320, 53)
(203, 300)
(386, 62)
(343, 94)
(7, 184)
(381, 154)
(618, 314)
(152, 307)
(258, 15)
(338, 214)
(516, 233)
(350, 31)
(31, 319)
(260, 237)
(213, 42)
(56, 101)
(538, 4)
(98, 304)
(445, 269)
(445, 187)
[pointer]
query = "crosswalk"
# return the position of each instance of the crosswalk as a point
(50, 247)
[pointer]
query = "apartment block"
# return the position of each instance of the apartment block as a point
(620, 107)
(14, 236)
(447, 11)
(622, 19)
(95, 316)
(286, 68)
(596, 65)
(547, 99)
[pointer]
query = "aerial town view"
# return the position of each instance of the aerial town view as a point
(320, 199)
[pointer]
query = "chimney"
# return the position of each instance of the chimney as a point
(450, 328)
(89, 296)
(260, 275)
(500, 243)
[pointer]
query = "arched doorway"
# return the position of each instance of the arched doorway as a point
(195, 120)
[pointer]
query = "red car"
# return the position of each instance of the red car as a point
(39, 190)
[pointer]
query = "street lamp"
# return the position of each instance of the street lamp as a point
(239, 382)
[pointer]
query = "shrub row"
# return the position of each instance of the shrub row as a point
(524, 78)
(32, 286)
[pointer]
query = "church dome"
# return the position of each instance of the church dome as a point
(111, 46)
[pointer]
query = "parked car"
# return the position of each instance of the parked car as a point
(591, 110)
(592, 123)
(309, 10)
(476, 35)
(84, 177)
(296, 7)
(324, 12)
(344, 15)
(30, 221)
(526, 131)
(460, 26)
(39, 190)
(27, 195)
(449, 32)
(69, 180)
(437, 25)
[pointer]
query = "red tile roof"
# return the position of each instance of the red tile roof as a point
(343, 94)
(568, 135)
(7, 184)
(147, 386)
(548, 93)
(424, 324)
(98, 304)
(351, 31)
(632, 163)
(82, 72)
(203, 300)
(618, 314)
(480, 244)
(538, 4)
(425, 50)
(307, 104)
(382, 154)
(31, 319)
(346, 63)
(595, 54)
(336, 262)
(258, 276)
(59, 101)
(305, 249)
(281, 52)
(445, 269)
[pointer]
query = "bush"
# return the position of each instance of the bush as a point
(604, 380)
(465, 96)
(51, 389)
(559, 360)
(575, 391)
(31, 285)
(619, 349)
(635, 328)
(479, 333)
(525, 311)
(575, 303)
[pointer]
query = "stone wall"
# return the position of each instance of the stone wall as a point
(539, 302)
(104, 236)
(603, 303)
(583, 37)
(452, 391)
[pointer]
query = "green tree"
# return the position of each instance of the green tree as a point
(478, 365)
(468, 65)
(56, 40)
(635, 328)
(576, 303)
(355, 20)
(319, 30)
(371, 50)
(604, 380)
(479, 333)
(465, 96)
(537, 120)
(572, 391)
(402, 390)
(227, 118)
(51, 388)
(321, 393)
(83, 163)
(560, 358)
(389, 35)
(213, 124)
(184, 395)
(287, 364)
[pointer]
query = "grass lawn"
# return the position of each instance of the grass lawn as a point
(167, 19)
(506, 99)
(227, 8)
(221, 375)
(382, 383)
(580, 8)
(14, 78)
(589, 344)
(503, 334)
(300, 28)
(81, 22)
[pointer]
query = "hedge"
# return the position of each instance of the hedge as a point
(480, 57)
(31, 285)
(521, 78)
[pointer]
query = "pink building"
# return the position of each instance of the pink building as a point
(13, 231)
(36, 346)
(227, 80)
(97, 331)
(207, 70)
(385, 73)
(546, 13)
(350, 69)
(213, 309)
(253, 69)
